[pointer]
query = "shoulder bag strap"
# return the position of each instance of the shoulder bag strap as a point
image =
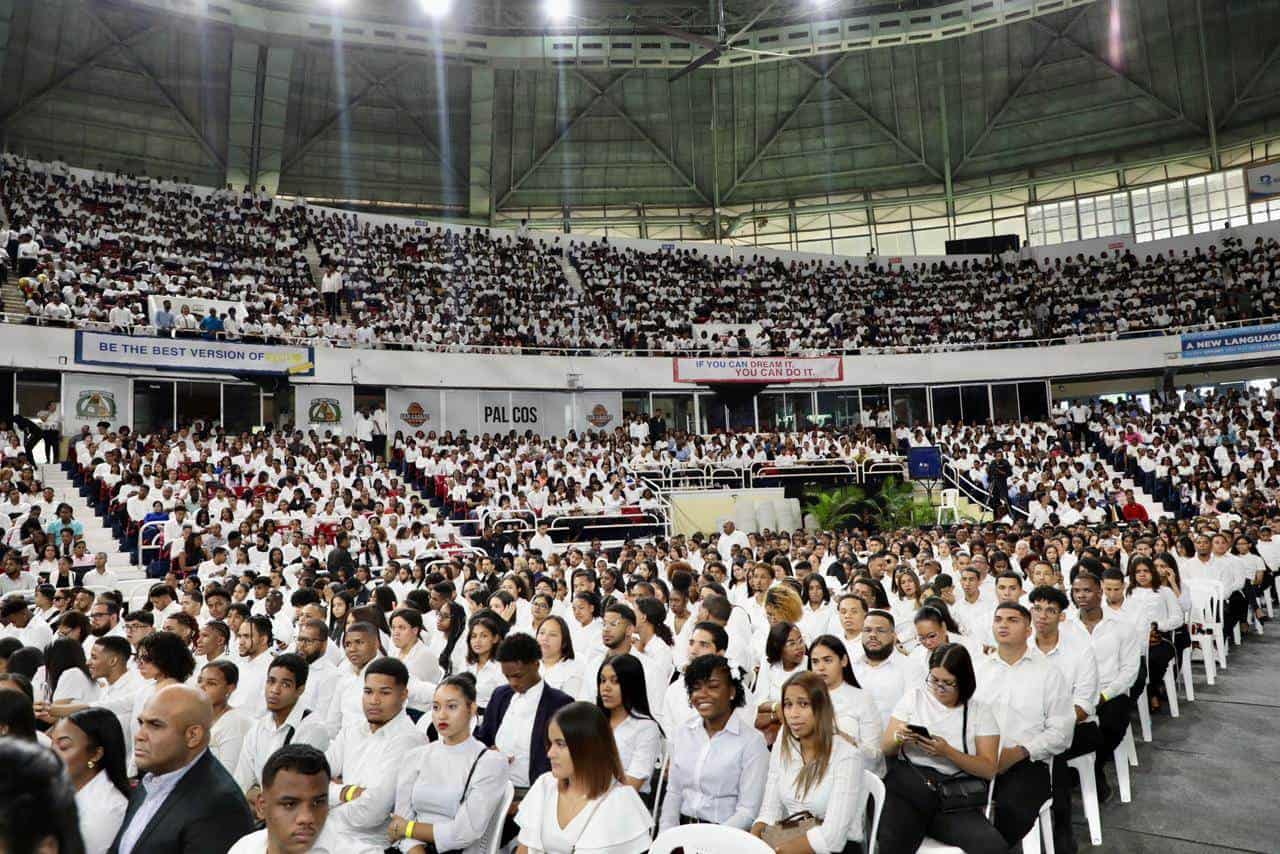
(470, 774)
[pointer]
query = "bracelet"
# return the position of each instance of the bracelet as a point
(348, 794)
(408, 830)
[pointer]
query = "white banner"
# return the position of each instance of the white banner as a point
(597, 410)
(191, 355)
(324, 408)
(1263, 182)
(90, 399)
(410, 410)
(763, 369)
(198, 305)
(544, 412)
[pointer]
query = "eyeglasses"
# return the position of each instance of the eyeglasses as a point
(940, 684)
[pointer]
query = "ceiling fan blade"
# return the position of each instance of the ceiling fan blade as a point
(763, 52)
(708, 57)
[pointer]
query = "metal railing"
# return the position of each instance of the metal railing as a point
(480, 349)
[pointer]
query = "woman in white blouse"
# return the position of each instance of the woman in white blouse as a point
(784, 654)
(450, 788)
(408, 646)
(1154, 607)
(484, 634)
(856, 712)
(91, 745)
(816, 769)
(582, 806)
(66, 676)
(448, 644)
(559, 668)
(217, 680)
(817, 606)
(937, 730)
(622, 697)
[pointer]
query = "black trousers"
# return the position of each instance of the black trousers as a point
(331, 304)
(1086, 739)
(1159, 657)
(1113, 722)
(1020, 792)
(911, 812)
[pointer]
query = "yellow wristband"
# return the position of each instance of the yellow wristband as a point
(408, 830)
(348, 794)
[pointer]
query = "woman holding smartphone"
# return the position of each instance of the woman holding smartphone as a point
(938, 730)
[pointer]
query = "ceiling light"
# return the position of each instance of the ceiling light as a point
(436, 8)
(558, 10)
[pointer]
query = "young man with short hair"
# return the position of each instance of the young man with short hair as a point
(294, 803)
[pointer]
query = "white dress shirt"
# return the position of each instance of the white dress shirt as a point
(226, 738)
(565, 676)
(887, 681)
(836, 800)
(639, 745)
(1031, 702)
(1073, 657)
(264, 738)
(717, 779)
(858, 717)
(326, 843)
(919, 707)
(615, 823)
(101, 808)
(361, 757)
(117, 697)
(1117, 650)
(515, 734)
(251, 690)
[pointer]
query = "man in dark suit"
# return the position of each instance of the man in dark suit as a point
(518, 714)
(187, 802)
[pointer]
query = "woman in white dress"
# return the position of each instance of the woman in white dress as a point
(91, 745)
(448, 644)
(560, 669)
(451, 787)
(582, 805)
(408, 646)
(814, 768)
(621, 695)
(217, 681)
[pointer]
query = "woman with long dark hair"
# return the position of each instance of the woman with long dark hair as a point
(66, 674)
(621, 695)
(485, 631)
(855, 710)
(339, 607)
(91, 745)
(448, 644)
(580, 805)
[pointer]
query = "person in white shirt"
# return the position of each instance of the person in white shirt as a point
(362, 755)
(814, 768)
(255, 641)
(294, 805)
(217, 681)
(1116, 649)
(730, 537)
(287, 721)
(18, 621)
(91, 745)
(1067, 649)
(580, 806)
(939, 729)
(719, 762)
(1032, 705)
(447, 791)
(883, 672)
(621, 695)
(855, 710)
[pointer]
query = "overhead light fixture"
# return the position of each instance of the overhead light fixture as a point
(436, 8)
(558, 10)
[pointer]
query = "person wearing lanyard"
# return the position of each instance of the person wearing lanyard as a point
(719, 763)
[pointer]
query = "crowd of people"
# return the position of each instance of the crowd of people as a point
(89, 248)
(303, 677)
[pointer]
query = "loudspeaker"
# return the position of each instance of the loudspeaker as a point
(924, 463)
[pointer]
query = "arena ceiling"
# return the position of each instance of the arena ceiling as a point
(1051, 88)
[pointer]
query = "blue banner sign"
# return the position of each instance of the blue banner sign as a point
(1226, 342)
(192, 354)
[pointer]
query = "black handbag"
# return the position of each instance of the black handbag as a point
(959, 792)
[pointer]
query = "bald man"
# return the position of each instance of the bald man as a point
(187, 801)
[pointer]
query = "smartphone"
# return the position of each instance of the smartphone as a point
(922, 731)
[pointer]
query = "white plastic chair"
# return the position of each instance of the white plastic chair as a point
(1187, 682)
(1126, 755)
(1207, 596)
(1171, 690)
(1144, 715)
(664, 764)
(1040, 837)
(1084, 766)
(875, 800)
(492, 838)
(708, 839)
(950, 504)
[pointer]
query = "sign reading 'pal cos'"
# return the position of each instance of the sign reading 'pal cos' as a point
(758, 369)
(192, 354)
